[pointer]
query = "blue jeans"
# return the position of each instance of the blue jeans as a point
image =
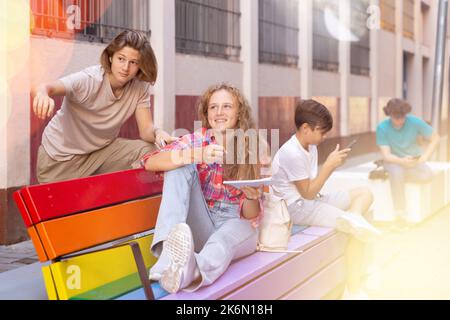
(220, 235)
(399, 175)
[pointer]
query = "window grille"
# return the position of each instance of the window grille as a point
(208, 27)
(360, 50)
(278, 32)
(90, 20)
(325, 46)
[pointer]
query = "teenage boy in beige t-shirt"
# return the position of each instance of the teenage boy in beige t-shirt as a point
(82, 138)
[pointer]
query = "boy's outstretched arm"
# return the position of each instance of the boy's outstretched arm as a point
(43, 103)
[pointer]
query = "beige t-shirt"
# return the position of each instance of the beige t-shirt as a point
(91, 116)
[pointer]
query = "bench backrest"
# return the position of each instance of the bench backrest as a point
(64, 218)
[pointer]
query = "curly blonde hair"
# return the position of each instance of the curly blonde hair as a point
(245, 122)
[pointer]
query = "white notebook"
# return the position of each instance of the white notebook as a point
(250, 183)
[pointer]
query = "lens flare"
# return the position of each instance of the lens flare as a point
(5, 104)
(352, 30)
(16, 16)
(15, 47)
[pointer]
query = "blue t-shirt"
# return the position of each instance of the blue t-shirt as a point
(403, 142)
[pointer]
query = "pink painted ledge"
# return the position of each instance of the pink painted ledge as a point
(317, 231)
(246, 269)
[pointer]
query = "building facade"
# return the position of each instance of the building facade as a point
(352, 55)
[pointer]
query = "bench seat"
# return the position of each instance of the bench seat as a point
(271, 276)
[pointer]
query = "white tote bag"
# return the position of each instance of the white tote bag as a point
(275, 226)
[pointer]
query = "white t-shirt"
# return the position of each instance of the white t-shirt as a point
(91, 116)
(293, 163)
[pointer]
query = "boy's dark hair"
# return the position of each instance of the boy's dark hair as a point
(314, 114)
(397, 107)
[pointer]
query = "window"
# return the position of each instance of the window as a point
(278, 32)
(360, 50)
(208, 27)
(92, 20)
(408, 18)
(388, 14)
(325, 46)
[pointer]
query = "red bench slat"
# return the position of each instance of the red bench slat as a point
(18, 198)
(58, 199)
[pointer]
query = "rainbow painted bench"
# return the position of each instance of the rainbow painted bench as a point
(93, 235)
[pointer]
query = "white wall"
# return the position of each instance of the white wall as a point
(325, 84)
(386, 63)
(4, 97)
(359, 86)
(162, 24)
(194, 74)
(249, 52)
(278, 81)
(14, 94)
(54, 58)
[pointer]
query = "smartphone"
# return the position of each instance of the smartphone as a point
(351, 144)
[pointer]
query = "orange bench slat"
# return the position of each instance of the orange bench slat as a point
(34, 236)
(84, 230)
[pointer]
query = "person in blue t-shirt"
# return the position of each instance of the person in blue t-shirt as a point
(404, 159)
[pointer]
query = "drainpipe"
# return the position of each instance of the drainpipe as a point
(439, 64)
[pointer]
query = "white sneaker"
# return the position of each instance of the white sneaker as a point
(158, 268)
(154, 276)
(359, 295)
(179, 248)
(357, 226)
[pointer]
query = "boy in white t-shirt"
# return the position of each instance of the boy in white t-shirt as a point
(298, 181)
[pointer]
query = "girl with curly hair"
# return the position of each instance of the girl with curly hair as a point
(203, 224)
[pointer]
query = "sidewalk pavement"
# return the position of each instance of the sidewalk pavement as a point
(17, 255)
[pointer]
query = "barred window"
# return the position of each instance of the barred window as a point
(360, 49)
(408, 18)
(91, 20)
(325, 46)
(208, 27)
(387, 14)
(278, 32)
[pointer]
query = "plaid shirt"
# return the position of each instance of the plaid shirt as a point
(210, 175)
